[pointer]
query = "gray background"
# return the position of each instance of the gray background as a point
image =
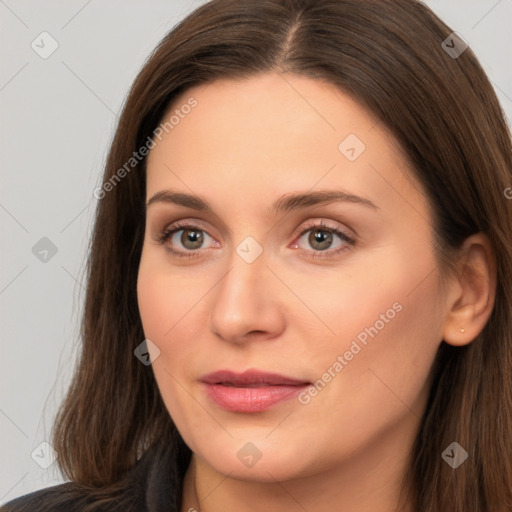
(58, 117)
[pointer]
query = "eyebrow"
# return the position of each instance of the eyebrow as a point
(285, 203)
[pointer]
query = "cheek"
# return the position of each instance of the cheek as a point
(387, 323)
(166, 305)
(163, 297)
(172, 313)
(387, 350)
(155, 303)
(382, 301)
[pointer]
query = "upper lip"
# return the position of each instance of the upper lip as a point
(250, 378)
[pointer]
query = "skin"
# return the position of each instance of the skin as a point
(246, 144)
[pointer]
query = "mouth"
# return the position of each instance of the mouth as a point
(250, 391)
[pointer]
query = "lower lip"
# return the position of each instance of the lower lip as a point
(240, 399)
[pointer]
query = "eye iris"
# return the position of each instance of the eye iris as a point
(319, 236)
(191, 236)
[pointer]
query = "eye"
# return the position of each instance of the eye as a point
(185, 240)
(324, 240)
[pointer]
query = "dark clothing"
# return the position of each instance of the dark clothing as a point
(152, 485)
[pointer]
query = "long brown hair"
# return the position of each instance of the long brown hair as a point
(388, 55)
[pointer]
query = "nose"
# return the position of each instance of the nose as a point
(247, 303)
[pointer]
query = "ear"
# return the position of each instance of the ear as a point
(471, 293)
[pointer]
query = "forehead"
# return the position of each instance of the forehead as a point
(280, 109)
(267, 134)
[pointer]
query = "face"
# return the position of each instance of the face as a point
(303, 271)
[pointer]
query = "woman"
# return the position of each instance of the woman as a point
(299, 288)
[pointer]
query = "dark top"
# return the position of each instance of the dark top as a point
(152, 485)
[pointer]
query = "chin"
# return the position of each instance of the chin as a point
(258, 461)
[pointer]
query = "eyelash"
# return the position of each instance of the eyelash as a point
(162, 238)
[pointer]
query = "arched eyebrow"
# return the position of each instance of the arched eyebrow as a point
(285, 203)
(290, 202)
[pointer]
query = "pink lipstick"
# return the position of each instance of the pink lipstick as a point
(250, 391)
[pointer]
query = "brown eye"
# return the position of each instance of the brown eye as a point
(323, 238)
(186, 240)
(320, 239)
(191, 238)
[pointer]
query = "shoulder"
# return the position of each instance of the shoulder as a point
(71, 497)
(151, 485)
(63, 497)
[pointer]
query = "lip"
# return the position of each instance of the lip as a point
(250, 391)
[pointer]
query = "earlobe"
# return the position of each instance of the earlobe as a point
(471, 293)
